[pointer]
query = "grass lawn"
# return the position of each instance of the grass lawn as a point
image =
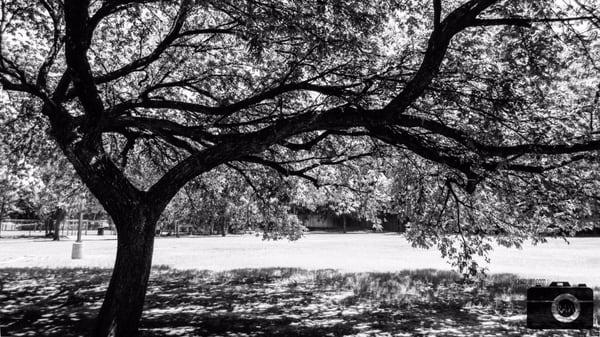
(274, 302)
(576, 262)
(321, 285)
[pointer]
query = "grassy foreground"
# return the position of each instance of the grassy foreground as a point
(275, 302)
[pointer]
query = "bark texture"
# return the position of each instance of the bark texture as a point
(121, 311)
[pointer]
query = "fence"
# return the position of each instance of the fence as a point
(35, 227)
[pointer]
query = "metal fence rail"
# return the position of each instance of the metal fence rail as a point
(36, 227)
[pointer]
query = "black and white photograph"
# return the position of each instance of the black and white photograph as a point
(299, 168)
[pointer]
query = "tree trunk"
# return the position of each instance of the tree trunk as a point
(61, 214)
(121, 311)
(223, 227)
(402, 224)
(344, 223)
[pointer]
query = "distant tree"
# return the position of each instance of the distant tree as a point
(492, 95)
(360, 187)
(58, 218)
(222, 201)
(19, 183)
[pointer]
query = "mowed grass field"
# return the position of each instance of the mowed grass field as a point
(577, 261)
(321, 285)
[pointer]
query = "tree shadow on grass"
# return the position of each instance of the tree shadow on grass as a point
(50, 302)
(272, 302)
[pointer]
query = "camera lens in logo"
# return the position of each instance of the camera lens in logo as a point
(566, 308)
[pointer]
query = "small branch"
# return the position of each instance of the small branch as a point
(157, 52)
(538, 169)
(248, 181)
(128, 147)
(282, 170)
(308, 145)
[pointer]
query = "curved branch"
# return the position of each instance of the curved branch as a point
(54, 49)
(155, 54)
(438, 43)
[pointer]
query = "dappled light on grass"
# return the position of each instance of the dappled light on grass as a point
(273, 302)
(50, 302)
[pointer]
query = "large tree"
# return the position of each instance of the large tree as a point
(476, 86)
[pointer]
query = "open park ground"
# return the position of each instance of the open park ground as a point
(577, 260)
(321, 285)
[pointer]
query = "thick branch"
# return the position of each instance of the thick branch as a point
(437, 13)
(524, 22)
(438, 43)
(76, 19)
